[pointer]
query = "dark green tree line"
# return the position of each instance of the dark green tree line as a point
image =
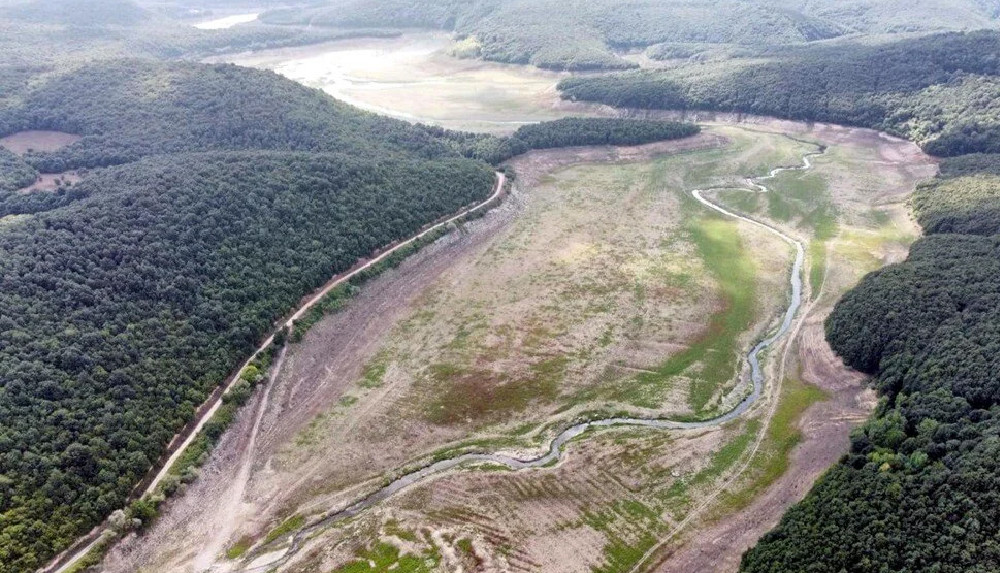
(221, 196)
(601, 131)
(940, 90)
(918, 490)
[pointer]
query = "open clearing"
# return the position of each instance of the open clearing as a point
(413, 77)
(25, 141)
(596, 288)
(52, 182)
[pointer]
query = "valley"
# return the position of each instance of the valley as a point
(476, 344)
(508, 286)
(413, 77)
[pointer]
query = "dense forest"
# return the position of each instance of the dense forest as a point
(176, 107)
(601, 131)
(919, 489)
(15, 173)
(129, 298)
(964, 199)
(941, 90)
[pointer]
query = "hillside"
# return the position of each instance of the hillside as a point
(47, 33)
(939, 90)
(126, 304)
(175, 107)
(588, 35)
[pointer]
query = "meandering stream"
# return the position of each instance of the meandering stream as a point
(268, 560)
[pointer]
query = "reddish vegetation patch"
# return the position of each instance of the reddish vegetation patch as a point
(25, 141)
(484, 395)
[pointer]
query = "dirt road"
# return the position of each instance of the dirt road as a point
(66, 560)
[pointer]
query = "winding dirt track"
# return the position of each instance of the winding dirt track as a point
(66, 560)
(261, 560)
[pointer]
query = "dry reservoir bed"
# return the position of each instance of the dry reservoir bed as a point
(599, 287)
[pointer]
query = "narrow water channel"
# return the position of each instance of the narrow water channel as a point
(264, 561)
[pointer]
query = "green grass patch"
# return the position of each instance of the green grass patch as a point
(630, 528)
(714, 354)
(817, 265)
(465, 546)
(387, 557)
(374, 371)
(739, 200)
(676, 496)
(783, 434)
(239, 549)
(291, 524)
(727, 456)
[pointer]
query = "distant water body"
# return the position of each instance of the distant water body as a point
(227, 22)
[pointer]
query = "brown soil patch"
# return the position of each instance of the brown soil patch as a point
(43, 141)
(300, 462)
(51, 182)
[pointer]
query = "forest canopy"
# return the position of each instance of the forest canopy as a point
(601, 131)
(941, 90)
(918, 489)
(129, 299)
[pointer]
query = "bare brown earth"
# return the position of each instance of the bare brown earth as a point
(546, 520)
(24, 141)
(302, 407)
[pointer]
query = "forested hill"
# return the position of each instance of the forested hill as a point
(589, 35)
(941, 90)
(127, 109)
(126, 300)
(44, 33)
(920, 487)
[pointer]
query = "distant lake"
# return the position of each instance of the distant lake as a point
(227, 22)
